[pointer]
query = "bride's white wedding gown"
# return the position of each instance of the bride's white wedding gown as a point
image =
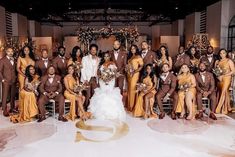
(106, 103)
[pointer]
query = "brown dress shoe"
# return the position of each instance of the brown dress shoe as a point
(212, 116)
(199, 115)
(6, 114)
(162, 115)
(61, 118)
(173, 116)
(41, 118)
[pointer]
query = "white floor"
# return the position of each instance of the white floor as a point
(140, 138)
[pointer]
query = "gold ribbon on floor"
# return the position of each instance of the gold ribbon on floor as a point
(121, 129)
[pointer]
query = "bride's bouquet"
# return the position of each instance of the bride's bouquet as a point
(108, 74)
(78, 88)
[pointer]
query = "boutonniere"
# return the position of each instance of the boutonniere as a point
(169, 81)
(122, 56)
(58, 81)
(151, 56)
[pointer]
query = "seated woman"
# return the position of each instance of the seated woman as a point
(186, 93)
(227, 67)
(74, 96)
(28, 97)
(145, 99)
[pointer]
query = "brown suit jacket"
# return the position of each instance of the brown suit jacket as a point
(209, 65)
(41, 68)
(48, 87)
(179, 61)
(7, 70)
(61, 67)
(121, 60)
(208, 85)
(149, 58)
(169, 85)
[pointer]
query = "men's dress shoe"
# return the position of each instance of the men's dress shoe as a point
(41, 119)
(212, 116)
(199, 115)
(61, 118)
(162, 115)
(6, 114)
(173, 116)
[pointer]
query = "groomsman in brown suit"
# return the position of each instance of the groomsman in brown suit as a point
(51, 88)
(147, 55)
(167, 89)
(209, 58)
(8, 79)
(120, 59)
(205, 88)
(181, 58)
(60, 62)
(42, 64)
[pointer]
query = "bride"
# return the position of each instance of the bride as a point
(106, 103)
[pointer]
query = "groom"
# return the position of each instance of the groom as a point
(90, 65)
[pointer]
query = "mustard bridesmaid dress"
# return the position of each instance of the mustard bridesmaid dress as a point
(183, 79)
(28, 108)
(135, 62)
(223, 87)
(24, 62)
(139, 106)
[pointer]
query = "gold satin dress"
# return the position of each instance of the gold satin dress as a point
(135, 62)
(24, 62)
(223, 87)
(28, 108)
(138, 110)
(71, 97)
(185, 79)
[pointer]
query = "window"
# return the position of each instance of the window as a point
(231, 35)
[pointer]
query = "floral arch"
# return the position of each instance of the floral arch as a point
(126, 35)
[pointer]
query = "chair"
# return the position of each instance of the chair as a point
(51, 108)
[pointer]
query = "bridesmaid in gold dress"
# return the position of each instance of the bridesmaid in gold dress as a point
(145, 100)
(186, 93)
(163, 57)
(26, 58)
(134, 66)
(76, 56)
(28, 97)
(194, 59)
(76, 99)
(227, 66)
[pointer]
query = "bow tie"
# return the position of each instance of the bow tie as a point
(45, 60)
(209, 56)
(51, 76)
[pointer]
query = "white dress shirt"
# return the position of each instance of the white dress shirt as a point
(45, 62)
(210, 57)
(203, 76)
(144, 53)
(116, 54)
(163, 77)
(11, 60)
(90, 67)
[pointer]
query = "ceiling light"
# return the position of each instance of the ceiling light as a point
(140, 8)
(176, 8)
